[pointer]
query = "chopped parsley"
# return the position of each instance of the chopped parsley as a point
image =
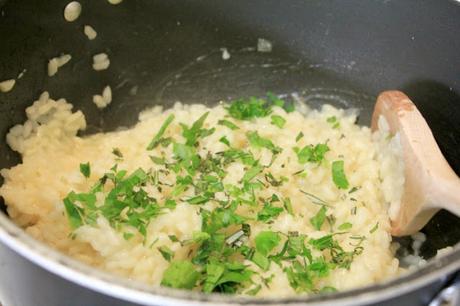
(376, 226)
(338, 174)
(318, 220)
(269, 212)
(258, 141)
(157, 139)
(334, 122)
(266, 241)
(345, 226)
(278, 121)
(166, 253)
(246, 109)
(180, 274)
(299, 136)
(117, 153)
(85, 169)
(310, 153)
(232, 126)
(224, 140)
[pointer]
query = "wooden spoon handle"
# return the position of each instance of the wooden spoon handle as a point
(430, 183)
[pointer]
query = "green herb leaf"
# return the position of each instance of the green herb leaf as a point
(345, 226)
(311, 154)
(260, 142)
(376, 226)
(166, 252)
(261, 260)
(254, 290)
(318, 220)
(278, 121)
(299, 279)
(180, 274)
(334, 122)
(200, 199)
(266, 241)
(73, 211)
(117, 152)
(338, 174)
(192, 134)
(232, 126)
(158, 160)
(288, 206)
(224, 140)
(322, 243)
(157, 138)
(171, 204)
(252, 173)
(214, 272)
(85, 169)
(269, 212)
(248, 109)
(127, 236)
(299, 136)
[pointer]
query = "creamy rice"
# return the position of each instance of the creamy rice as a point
(52, 153)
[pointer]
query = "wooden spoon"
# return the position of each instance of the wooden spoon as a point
(430, 183)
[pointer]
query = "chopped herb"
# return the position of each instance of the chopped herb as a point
(193, 133)
(334, 122)
(328, 289)
(266, 241)
(180, 274)
(254, 290)
(269, 212)
(166, 252)
(214, 272)
(278, 121)
(275, 100)
(199, 237)
(127, 236)
(259, 142)
(200, 199)
(228, 124)
(252, 173)
(288, 206)
(117, 152)
(261, 260)
(338, 174)
(173, 238)
(353, 210)
(314, 199)
(322, 243)
(73, 211)
(224, 140)
(376, 226)
(158, 160)
(310, 153)
(354, 189)
(345, 226)
(248, 109)
(85, 169)
(157, 138)
(299, 136)
(318, 220)
(171, 204)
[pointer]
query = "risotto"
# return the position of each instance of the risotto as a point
(253, 197)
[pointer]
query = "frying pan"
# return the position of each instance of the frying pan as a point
(338, 52)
